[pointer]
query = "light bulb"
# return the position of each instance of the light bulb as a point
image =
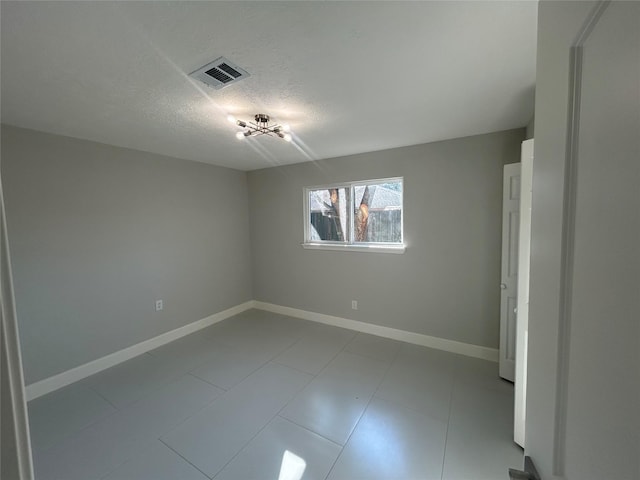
(239, 135)
(286, 128)
(287, 138)
(231, 118)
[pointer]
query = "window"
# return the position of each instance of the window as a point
(355, 215)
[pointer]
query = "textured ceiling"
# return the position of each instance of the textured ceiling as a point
(348, 77)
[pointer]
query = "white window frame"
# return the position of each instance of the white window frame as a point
(350, 244)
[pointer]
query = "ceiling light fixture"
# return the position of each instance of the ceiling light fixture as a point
(261, 126)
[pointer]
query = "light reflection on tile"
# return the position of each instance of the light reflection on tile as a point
(283, 450)
(366, 408)
(392, 442)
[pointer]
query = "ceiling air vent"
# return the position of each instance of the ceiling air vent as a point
(219, 73)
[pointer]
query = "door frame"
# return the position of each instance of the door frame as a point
(522, 319)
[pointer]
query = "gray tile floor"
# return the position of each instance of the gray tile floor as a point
(264, 396)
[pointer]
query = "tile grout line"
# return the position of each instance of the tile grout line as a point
(178, 453)
(308, 430)
(128, 460)
(446, 435)
(384, 377)
(337, 353)
(364, 410)
(230, 347)
(103, 397)
(326, 364)
(243, 447)
(165, 382)
(316, 376)
(274, 362)
(112, 414)
(115, 468)
(159, 438)
(190, 372)
(220, 396)
(410, 407)
(197, 411)
(84, 427)
(193, 375)
(457, 377)
(267, 423)
(280, 352)
(212, 401)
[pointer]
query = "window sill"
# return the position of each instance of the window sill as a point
(355, 248)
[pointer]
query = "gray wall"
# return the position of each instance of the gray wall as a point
(601, 394)
(558, 24)
(98, 233)
(444, 285)
(531, 128)
(604, 348)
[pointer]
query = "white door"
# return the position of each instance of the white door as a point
(522, 321)
(509, 281)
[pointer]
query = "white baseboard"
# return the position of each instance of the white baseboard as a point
(468, 349)
(63, 379)
(68, 377)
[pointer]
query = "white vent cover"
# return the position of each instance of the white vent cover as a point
(219, 73)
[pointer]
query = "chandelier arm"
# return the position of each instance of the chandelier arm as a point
(262, 126)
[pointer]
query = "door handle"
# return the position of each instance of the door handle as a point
(503, 286)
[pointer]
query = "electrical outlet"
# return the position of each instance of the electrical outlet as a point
(354, 304)
(159, 305)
